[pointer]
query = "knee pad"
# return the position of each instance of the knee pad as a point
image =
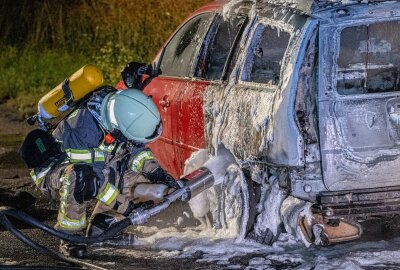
(86, 183)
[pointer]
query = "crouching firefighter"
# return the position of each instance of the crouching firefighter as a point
(98, 153)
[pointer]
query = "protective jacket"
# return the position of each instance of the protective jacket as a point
(94, 169)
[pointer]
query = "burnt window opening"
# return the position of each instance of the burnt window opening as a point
(220, 46)
(369, 59)
(181, 53)
(264, 62)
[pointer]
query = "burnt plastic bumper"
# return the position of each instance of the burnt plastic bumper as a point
(360, 203)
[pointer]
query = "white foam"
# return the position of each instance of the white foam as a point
(220, 245)
(269, 207)
(7, 261)
(219, 164)
(171, 243)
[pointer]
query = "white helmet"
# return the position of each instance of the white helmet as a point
(132, 113)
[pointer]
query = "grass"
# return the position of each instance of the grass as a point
(26, 74)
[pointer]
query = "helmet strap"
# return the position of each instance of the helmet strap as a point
(156, 133)
(117, 135)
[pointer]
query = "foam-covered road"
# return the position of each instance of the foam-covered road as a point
(171, 248)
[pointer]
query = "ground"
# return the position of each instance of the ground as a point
(181, 244)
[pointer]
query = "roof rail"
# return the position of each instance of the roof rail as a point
(310, 6)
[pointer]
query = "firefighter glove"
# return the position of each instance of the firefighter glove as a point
(132, 74)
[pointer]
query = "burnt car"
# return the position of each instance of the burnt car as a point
(304, 95)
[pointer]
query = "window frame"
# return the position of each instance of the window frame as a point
(194, 67)
(234, 49)
(337, 54)
(263, 23)
(329, 85)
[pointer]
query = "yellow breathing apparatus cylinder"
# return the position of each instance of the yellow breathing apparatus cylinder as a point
(77, 86)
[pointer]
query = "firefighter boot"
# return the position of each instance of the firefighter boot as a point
(73, 250)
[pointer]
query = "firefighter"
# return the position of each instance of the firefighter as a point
(103, 142)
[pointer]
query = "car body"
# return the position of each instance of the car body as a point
(303, 91)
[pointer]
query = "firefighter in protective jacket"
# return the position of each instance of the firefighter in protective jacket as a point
(104, 141)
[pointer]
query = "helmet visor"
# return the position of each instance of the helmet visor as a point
(111, 114)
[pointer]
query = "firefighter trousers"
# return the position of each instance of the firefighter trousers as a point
(114, 195)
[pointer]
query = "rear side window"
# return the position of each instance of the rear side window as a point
(219, 47)
(369, 59)
(180, 55)
(264, 61)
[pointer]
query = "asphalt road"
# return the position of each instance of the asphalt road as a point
(15, 255)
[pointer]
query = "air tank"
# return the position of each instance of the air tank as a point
(81, 83)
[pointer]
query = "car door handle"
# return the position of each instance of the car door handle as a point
(165, 103)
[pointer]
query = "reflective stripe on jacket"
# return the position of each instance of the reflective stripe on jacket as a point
(138, 161)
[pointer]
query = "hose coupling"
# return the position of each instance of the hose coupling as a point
(139, 217)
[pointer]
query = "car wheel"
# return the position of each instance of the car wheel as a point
(232, 204)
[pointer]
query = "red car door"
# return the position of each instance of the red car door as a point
(176, 63)
(163, 92)
(214, 64)
(190, 127)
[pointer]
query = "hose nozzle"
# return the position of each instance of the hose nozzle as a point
(195, 183)
(212, 173)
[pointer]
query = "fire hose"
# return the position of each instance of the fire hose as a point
(190, 186)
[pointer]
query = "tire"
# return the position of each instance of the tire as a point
(252, 204)
(209, 204)
(234, 209)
